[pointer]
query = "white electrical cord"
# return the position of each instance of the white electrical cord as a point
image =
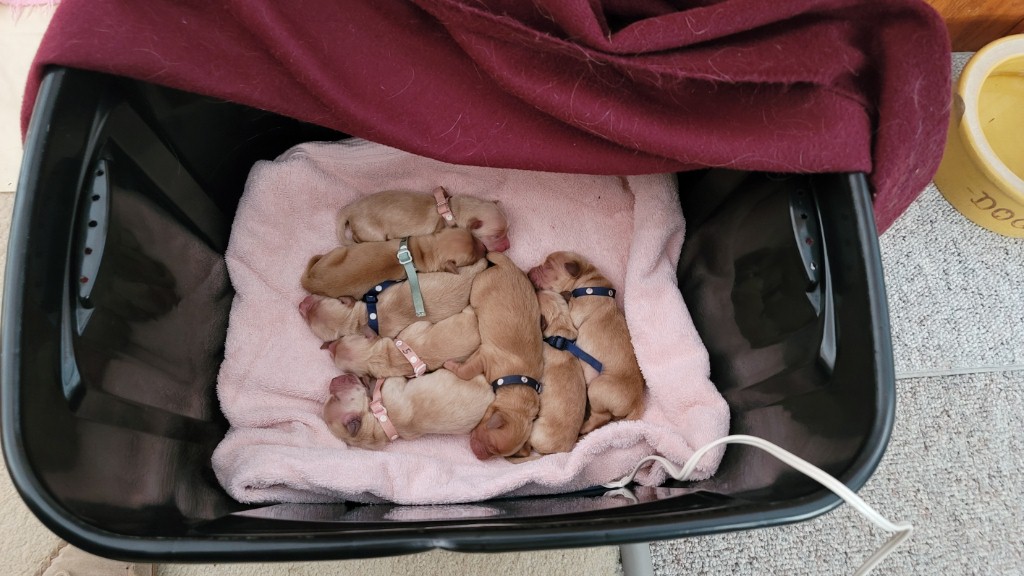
(901, 531)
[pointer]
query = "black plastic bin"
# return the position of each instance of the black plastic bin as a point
(115, 279)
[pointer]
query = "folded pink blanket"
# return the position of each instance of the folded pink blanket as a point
(274, 378)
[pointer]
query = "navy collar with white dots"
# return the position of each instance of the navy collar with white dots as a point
(516, 379)
(593, 291)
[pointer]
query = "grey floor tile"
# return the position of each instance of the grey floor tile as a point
(952, 469)
(956, 291)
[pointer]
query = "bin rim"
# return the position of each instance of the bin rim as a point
(512, 535)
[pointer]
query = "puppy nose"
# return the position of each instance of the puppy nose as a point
(343, 382)
(502, 245)
(534, 275)
(306, 305)
(478, 448)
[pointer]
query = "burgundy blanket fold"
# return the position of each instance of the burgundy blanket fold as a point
(612, 87)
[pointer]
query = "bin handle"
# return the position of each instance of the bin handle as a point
(900, 530)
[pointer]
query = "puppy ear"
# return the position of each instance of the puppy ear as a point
(369, 333)
(347, 301)
(497, 420)
(475, 223)
(353, 424)
(451, 267)
(567, 295)
(572, 268)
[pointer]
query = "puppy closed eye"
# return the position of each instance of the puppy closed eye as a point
(496, 421)
(353, 425)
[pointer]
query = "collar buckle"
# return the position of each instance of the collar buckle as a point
(404, 256)
(558, 342)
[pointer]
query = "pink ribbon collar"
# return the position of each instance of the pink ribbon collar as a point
(380, 412)
(441, 195)
(419, 367)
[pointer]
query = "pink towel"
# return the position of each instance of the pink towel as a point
(274, 378)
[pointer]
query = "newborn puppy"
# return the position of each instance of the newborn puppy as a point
(437, 403)
(395, 214)
(369, 355)
(353, 270)
(564, 401)
(445, 294)
(616, 393)
(510, 344)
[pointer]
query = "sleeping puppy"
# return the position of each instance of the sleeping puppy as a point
(564, 401)
(510, 345)
(395, 214)
(437, 403)
(617, 393)
(446, 295)
(369, 355)
(353, 270)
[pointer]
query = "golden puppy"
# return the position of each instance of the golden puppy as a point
(437, 403)
(564, 401)
(353, 270)
(445, 294)
(617, 393)
(369, 355)
(395, 213)
(510, 345)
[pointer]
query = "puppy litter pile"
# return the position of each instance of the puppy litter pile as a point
(274, 379)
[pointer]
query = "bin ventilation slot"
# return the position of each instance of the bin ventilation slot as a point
(814, 256)
(93, 236)
(804, 215)
(87, 253)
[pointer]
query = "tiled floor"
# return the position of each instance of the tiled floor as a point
(19, 39)
(956, 297)
(26, 543)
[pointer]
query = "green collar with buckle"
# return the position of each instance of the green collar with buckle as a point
(405, 259)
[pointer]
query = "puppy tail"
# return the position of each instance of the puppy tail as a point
(345, 236)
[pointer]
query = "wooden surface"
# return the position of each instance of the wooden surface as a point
(974, 23)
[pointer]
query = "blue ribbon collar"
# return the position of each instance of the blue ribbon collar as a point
(562, 343)
(371, 298)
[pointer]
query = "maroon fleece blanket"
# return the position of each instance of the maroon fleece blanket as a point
(590, 86)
